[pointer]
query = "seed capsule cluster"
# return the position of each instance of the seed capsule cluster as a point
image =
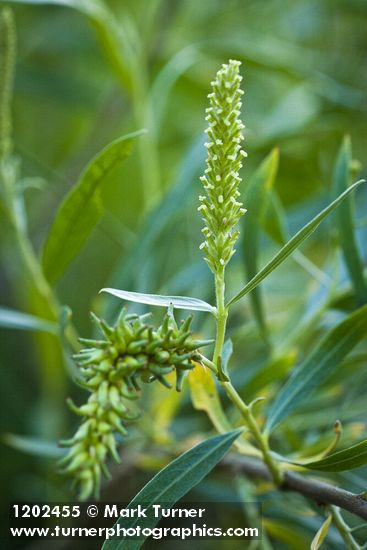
(220, 207)
(112, 369)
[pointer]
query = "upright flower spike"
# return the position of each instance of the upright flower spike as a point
(220, 207)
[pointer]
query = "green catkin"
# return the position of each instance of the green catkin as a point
(111, 369)
(220, 207)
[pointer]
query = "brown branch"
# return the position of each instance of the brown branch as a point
(318, 491)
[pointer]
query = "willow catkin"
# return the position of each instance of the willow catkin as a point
(220, 207)
(112, 370)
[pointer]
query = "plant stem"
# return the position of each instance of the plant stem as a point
(30, 259)
(252, 425)
(245, 410)
(222, 314)
(344, 529)
(34, 269)
(39, 281)
(205, 361)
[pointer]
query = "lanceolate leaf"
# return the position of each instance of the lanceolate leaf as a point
(321, 534)
(33, 446)
(172, 483)
(179, 302)
(275, 222)
(204, 396)
(81, 209)
(291, 245)
(344, 220)
(166, 79)
(226, 354)
(113, 40)
(87, 7)
(337, 343)
(256, 201)
(348, 459)
(11, 318)
(275, 225)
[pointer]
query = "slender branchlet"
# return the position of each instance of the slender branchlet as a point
(7, 66)
(112, 369)
(220, 207)
(344, 530)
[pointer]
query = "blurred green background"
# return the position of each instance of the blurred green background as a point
(305, 74)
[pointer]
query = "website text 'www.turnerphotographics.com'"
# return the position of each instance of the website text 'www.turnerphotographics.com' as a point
(105, 521)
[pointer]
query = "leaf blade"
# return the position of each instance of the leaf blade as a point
(81, 209)
(321, 534)
(291, 245)
(344, 222)
(335, 345)
(204, 397)
(173, 482)
(256, 200)
(18, 320)
(32, 446)
(179, 302)
(87, 7)
(347, 459)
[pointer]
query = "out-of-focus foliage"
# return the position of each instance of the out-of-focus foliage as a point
(305, 76)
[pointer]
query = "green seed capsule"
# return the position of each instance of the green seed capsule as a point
(131, 353)
(86, 488)
(162, 356)
(100, 451)
(103, 394)
(77, 461)
(104, 427)
(95, 382)
(180, 374)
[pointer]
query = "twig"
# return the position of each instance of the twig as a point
(344, 529)
(318, 491)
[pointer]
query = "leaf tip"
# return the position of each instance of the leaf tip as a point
(108, 290)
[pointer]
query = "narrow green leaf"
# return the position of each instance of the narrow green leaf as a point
(81, 209)
(344, 222)
(321, 534)
(179, 302)
(11, 318)
(33, 446)
(172, 483)
(256, 200)
(291, 245)
(166, 79)
(316, 368)
(88, 7)
(275, 226)
(226, 354)
(275, 222)
(284, 532)
(348, 459)
(111, 35)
